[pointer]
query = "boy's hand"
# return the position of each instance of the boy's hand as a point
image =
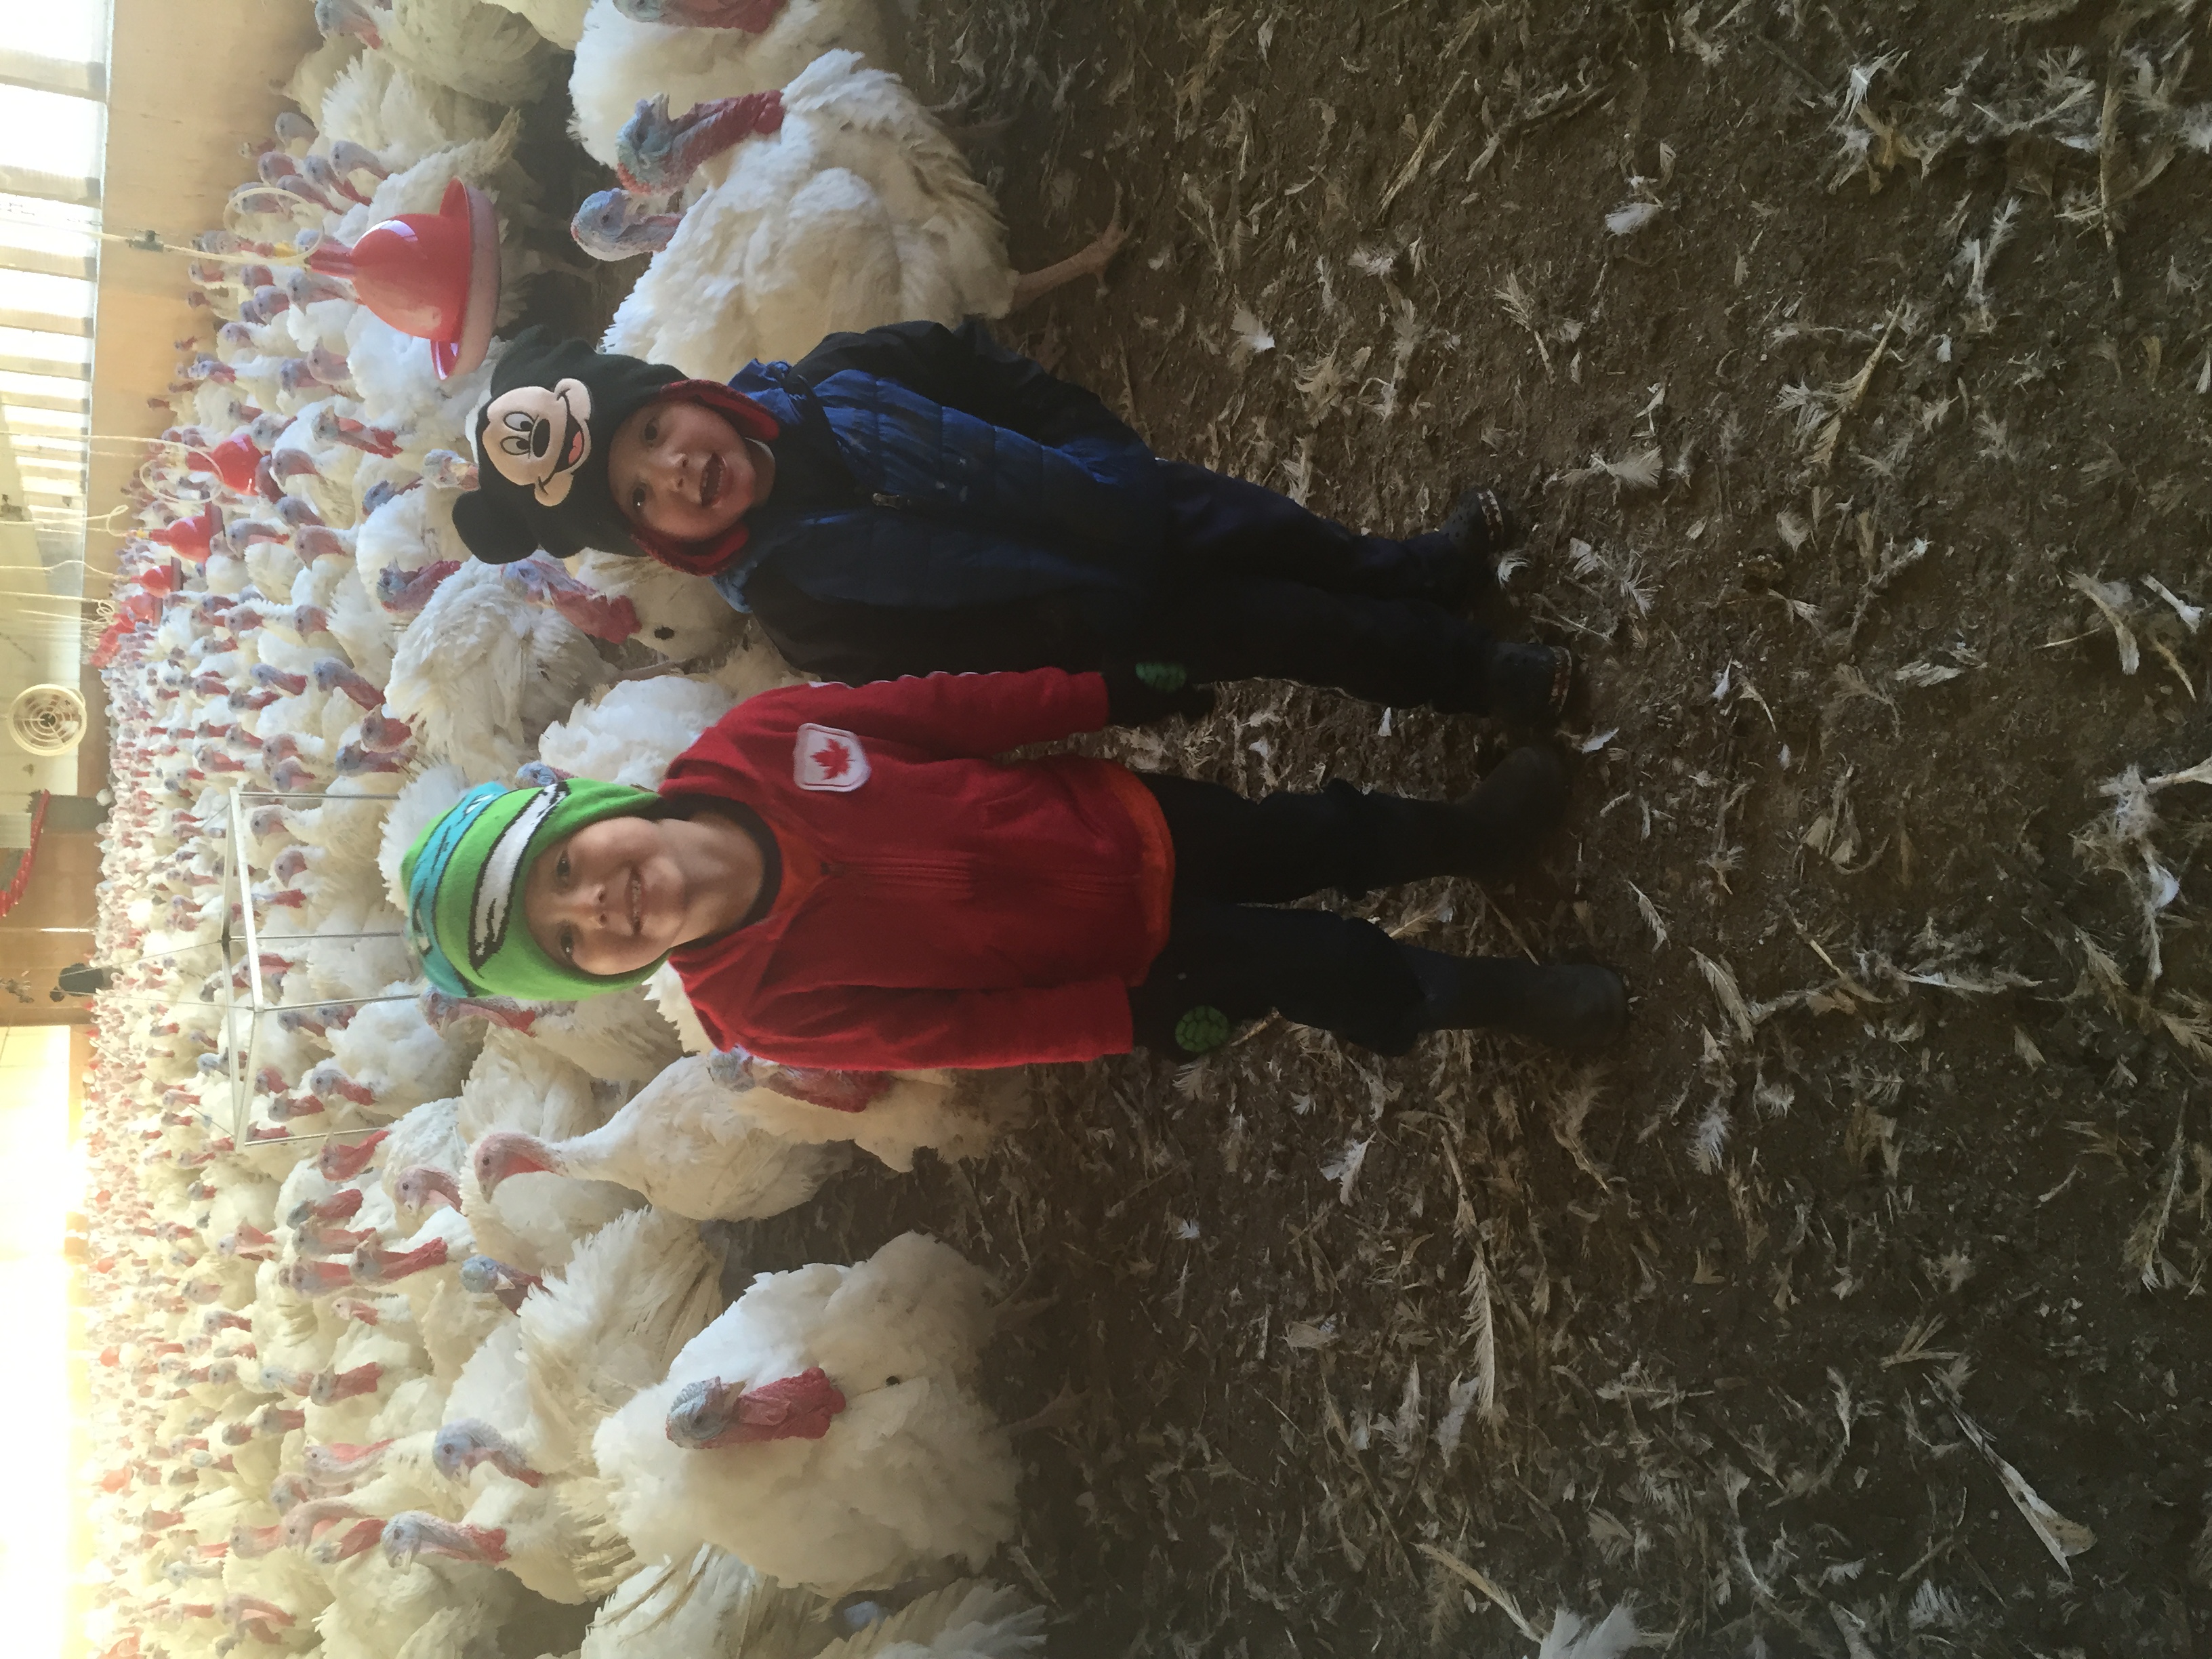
(1145, 692)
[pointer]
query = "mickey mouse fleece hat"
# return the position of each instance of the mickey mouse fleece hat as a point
(542, 439)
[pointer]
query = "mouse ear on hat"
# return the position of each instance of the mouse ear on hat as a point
(492, 533)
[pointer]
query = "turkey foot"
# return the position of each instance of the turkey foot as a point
(653, 670)
(1063, 1411)
(1089, 262)
(975, 136)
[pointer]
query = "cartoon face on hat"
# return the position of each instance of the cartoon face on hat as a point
(542, 441)
(537, 436)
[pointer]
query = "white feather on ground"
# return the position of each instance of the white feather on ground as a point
(1572, 1636)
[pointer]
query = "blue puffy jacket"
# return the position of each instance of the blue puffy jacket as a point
(944, 504)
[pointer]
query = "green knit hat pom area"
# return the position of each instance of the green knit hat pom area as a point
(466, 877)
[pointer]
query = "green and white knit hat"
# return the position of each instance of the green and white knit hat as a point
(465, 876)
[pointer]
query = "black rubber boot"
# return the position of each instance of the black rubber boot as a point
(1506, 816)
(1560, 1005)
(1527, 683)
(1482, 524)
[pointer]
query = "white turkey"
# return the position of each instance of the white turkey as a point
(377, 1607)
(585, 1341)
(618, 1036)
(675, 616)
(483, 671)
(561, 22)
(478, 50)
(709, 1607)
(973, 1618)
(388, 1059)
(526, 1529)
(379, 103)
(839, 204)
(825, 1429)
(682, 1143)
(535, 1221)
(632, 731)
(620, 59)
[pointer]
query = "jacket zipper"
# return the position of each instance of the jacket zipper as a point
(938, 874)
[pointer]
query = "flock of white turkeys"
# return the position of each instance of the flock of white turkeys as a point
(407, 1320)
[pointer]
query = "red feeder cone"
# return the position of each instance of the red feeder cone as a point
(436, 275)
(233, 460)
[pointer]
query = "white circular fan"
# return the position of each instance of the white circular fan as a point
(47, 719)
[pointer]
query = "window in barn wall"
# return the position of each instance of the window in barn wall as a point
(72, 30)
(53, 120)
(51, 132)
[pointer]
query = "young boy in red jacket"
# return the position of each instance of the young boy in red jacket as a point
(845, 878)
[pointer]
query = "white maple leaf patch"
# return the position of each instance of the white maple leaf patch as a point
(827, 758)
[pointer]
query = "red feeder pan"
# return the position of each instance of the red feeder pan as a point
(434, 275)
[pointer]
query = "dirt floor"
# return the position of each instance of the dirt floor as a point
(1855, 375)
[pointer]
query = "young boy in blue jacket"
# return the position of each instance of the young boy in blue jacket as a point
(916, 499)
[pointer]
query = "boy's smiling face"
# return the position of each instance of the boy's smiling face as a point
(684, 472)
(609, 899)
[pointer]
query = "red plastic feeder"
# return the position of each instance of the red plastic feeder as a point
(434, 275)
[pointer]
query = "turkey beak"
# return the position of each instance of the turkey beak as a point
(358, 1540)
(702, 1413)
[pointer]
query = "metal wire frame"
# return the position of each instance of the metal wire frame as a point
(236, 891)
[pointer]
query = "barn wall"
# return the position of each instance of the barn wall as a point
(59, 896)
(188, 83)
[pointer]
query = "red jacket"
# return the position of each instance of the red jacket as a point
(938, 907)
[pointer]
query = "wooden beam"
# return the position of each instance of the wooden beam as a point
(80, 407)
(62, 75)
(41, 415)
(46, 366)
(46, 322)
(82, 266)
(49, 186)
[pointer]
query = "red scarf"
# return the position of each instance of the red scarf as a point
(751, 421)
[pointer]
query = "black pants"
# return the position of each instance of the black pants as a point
(1263, 589)
(1231, 958)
